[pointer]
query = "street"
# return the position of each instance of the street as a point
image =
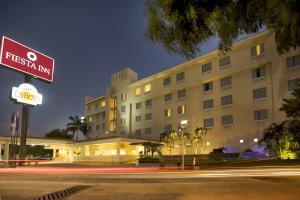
(153, 184)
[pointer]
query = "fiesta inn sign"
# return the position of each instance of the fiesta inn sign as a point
(26, 93)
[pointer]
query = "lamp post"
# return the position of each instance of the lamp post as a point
(182, 127)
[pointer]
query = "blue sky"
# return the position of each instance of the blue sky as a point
(89, 41)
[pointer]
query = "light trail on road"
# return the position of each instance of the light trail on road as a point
(155, 172)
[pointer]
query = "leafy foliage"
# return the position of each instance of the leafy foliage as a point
(77, 125)
(199, 133)
(57, 133)
(181, 25)
(284, 137)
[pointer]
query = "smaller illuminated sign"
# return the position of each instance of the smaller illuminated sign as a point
(27, 94)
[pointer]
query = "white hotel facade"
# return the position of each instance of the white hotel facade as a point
(235, 96)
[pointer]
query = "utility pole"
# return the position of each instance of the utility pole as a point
(24, 126)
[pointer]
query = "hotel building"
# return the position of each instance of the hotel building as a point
(235, 96)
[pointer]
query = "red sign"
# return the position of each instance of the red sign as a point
(22, 58)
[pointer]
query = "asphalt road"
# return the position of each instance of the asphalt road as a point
(276, 183)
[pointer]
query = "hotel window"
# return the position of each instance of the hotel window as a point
(208, 123)
(208, 104)
(90, 119)
(123, 121)
(259, 93)
(168, 97)
(180, 76)
(102, 126)
(96, 106)
(123, 96)
(258, 72)
(147, 88)
(208, 86)
(260, 114)
(138, 105)
(123, 109)
(103, 104)
(181, 94)
(138, 91)
(138, 132)
(293, 61)
(206, 68)
(148, 103)
(148, 117)
(223, 62)
(89, 108)
(226, 100)
(227, 120)
(148, 131)
(293, 84)
(97, 117)
(138, 118)
(97, 127)
(168, 127)
(167, 81)
(257, 50)
(181, 109)
(168, 112)
(226, 82)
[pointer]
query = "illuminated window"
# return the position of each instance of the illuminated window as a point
(147, 88)
(168, 112)
(90, 119)
(181, 109)
(137, 91)
(103, 103)
(257, 50)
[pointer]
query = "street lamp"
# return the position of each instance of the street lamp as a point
(182, 127)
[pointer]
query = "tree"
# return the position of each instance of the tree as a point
(77, 125)
(57, 133)
(169, 138)
(181, 25)
(291, 106)
(198, 136)
(284, 137)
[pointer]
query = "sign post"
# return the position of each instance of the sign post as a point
(31, 63)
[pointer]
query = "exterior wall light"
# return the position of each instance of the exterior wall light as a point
(241, 141)
(207, 143)
(255, 140)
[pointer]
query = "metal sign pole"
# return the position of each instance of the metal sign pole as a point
(24, 127)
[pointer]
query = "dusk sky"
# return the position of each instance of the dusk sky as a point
(89, 41)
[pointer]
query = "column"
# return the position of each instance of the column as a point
(54, 153)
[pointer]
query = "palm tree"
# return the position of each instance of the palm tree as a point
(77, 125)
(198, 137)
(169, 138)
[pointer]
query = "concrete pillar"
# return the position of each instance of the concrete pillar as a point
(6, 150)
(54, 153)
